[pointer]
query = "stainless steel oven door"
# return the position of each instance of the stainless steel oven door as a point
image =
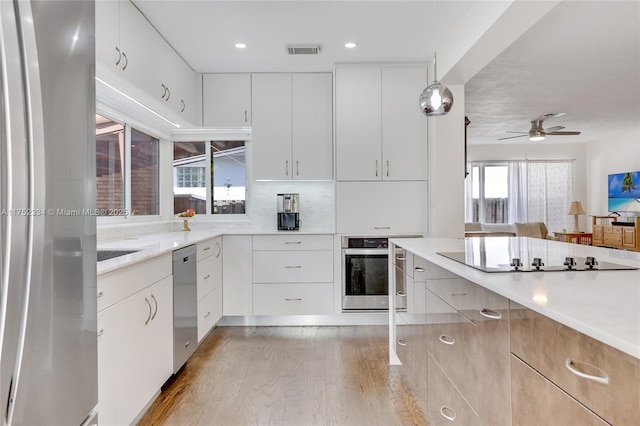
(365, 280)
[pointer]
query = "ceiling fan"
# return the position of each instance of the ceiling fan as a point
(537, 132)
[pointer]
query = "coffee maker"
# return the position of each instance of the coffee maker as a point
(288, 212)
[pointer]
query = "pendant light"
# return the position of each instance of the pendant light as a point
(436, 99)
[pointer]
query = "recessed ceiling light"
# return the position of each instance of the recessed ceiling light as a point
(350, 45)
(241, 45)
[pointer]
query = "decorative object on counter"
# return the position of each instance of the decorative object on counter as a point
(575, 210)
(185, 222)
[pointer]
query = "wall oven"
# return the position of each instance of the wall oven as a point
(365, 275)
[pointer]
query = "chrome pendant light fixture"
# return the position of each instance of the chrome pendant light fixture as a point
(436, 99)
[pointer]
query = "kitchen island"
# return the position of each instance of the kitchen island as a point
(542, 347)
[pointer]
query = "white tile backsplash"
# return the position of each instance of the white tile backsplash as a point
(317, 204)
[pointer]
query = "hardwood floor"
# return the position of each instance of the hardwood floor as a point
(288, 376)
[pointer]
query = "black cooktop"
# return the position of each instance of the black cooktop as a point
(526, 262)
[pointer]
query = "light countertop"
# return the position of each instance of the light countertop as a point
(604, 305)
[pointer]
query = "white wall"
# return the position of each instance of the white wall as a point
(618, 154)
(549, 149)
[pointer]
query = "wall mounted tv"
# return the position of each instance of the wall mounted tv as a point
(624, 192)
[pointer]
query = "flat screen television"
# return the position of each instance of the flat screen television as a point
(624, 192)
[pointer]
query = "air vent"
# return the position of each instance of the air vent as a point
(303, 49)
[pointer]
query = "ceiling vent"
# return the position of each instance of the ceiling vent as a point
(303, 49)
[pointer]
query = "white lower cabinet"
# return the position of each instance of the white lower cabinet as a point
(135, 351)
(293, 299)
(209, 284)
(237, 284)
(209, 312)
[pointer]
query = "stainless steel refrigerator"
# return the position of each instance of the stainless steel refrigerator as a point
(48, 358)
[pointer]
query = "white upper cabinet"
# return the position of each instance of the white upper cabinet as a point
(292, 126)
(128, 44)
(381, 133)
(226, 100)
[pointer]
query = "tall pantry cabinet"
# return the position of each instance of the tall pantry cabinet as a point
(381, 149)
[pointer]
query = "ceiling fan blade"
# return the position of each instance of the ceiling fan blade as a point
(511, 137)
(567, 133)
(522, 133)
(553, 129)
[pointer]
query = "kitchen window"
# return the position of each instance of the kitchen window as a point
(209, 177)
(127, 170)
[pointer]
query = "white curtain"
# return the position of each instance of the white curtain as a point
(518, 190)
(550, 192)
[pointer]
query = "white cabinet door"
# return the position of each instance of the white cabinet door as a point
(312, 109)
(108, 33)
(404, 127)
(358, 115)
(182, 83)
(271, 123)
(292, 266)
(226, 100)
(205, 276)
(108, 329)
(237, 293)
(381, 208)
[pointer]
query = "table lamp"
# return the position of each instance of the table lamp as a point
(575, 210)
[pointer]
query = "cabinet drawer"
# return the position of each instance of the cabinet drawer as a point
(206, 276)
(292, 242)
(292, 266)
(411, 348)
(530, 392)
(555, 350)
(446, 405)
(615, 230)
(293, 299)
(471, 300)
(208, 248)
(116, 285)
(209, 312)
(613, 239)
(452, 341)
(425, 270)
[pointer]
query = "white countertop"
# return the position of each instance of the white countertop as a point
(152, 245)
(604, 305)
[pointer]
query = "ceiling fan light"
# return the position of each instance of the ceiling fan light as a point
(436, 100)
(536, 136)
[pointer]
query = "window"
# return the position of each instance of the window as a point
(519, 191)
(223, 185)
(127, 181)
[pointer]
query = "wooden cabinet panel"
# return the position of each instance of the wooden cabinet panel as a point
(446, 405)
(555, 350)
(293, 299)
(226, 100)
(598, 234)
(537, 401)
(629, 237)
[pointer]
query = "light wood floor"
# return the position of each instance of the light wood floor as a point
(289, 376)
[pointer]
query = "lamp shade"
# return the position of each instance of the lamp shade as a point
(576, 208)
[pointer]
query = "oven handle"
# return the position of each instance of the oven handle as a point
(381, 252)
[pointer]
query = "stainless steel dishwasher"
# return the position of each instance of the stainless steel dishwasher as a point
(185, 305)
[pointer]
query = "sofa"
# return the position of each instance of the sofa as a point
(527, 229)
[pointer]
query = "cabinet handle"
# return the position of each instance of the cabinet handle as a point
(246, 120)
(207, 314)
(572, 365)
(381, 227)
(168, 94)
(207, 276)
(387, 168)
(458, 294)
(219, 250)
(119, 56)
(101, 332)
(401, 293)
(155, 301)
(298, 299)
(447, 413)
(402, 342)
(149, 317)
(164, 91)
(99, 295)
(293, 242)
(186, 345)
(286, 167)
(293, 267)
(297, 168)
(447, 340)
(183, 105)
(490, 313)
(126, 61)
(401, 257)
(206, 248)
(376, 168)
(418, 269)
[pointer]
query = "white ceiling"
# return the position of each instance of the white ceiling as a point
(582, 58)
